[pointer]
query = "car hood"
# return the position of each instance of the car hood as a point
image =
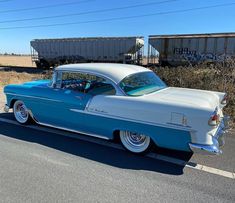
(192, 98)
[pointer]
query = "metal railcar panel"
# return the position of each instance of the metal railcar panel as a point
(192, 49)
(100, 49)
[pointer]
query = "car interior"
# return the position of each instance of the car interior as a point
(92, 87)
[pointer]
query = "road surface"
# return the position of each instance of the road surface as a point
(39, 164)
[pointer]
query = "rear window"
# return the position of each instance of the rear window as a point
(142, 83)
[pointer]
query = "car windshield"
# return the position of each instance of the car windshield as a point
(141, 83)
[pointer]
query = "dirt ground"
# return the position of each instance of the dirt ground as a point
(13, 77)
(24, 61)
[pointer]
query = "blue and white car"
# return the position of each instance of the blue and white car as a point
(125, 101)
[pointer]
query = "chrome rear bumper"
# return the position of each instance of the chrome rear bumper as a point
(218, 140)
(6, 108)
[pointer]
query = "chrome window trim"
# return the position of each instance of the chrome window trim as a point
(124, 93)
(54, 78)
(119, 91)
(88, 104)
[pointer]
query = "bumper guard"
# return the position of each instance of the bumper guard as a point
(218, 140)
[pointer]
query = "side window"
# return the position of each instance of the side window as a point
(56, 80)
(87, 83)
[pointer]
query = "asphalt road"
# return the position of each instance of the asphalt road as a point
(41, 166)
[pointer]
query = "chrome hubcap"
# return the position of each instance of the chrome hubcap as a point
(134, 142)
(135, 139)
(20, 112)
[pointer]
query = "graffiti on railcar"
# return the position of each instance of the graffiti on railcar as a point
(194, 56)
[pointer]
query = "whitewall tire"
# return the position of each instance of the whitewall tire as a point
(135, 142)
(21, 112)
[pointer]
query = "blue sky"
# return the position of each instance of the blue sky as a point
(221, 19)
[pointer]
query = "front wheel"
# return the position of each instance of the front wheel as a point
(21, 112)
(135, 142)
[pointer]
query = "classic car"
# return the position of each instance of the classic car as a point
(123, 101)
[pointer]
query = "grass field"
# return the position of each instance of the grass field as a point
(24, 61)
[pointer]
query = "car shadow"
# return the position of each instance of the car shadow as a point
(95, 152)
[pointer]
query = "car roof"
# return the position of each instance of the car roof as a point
(115, 72)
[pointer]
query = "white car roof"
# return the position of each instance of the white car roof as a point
(115, 72)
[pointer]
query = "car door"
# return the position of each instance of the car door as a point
(68, 113)
(78, 99)
(74, 86)
(66, 102)
(54, 105)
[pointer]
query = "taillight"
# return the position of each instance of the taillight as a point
(214, 119)
(224, 101)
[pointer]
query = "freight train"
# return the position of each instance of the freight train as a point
(50, 52)
(175, 50)
(164, 50)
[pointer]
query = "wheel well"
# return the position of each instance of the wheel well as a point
(12, 102)
(116, 136)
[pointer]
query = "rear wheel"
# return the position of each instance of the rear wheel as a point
(21, 112)
(135, 142)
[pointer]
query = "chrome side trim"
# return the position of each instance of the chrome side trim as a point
(88, 103)
(6, 108)
(77, 110)
(74, 131)
(34, 97)
(66, 129)
(180, 125)
(106, 115)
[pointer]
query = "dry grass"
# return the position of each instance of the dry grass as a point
(10, 77)
(215, 78)
(24, 61)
